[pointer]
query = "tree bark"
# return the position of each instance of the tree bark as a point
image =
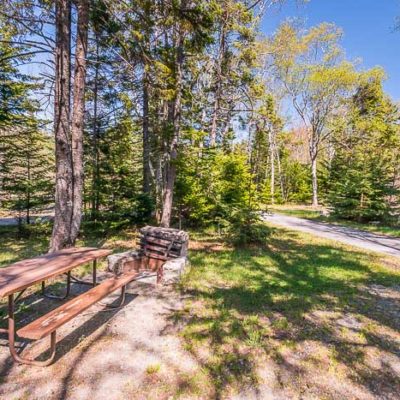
(62, 109)
(272, 161)
(78, 116)
(146, 134)
(174, 117)
(28, 194)
(314, 177)
(69, 140)
(218, 90)
(314, 150)
(95, 133)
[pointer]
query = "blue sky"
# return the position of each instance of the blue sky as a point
(367, 25)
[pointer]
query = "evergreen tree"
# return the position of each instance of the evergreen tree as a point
(364, 169)
(26, 165)
(26, 169)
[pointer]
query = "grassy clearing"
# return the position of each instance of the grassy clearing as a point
(309, 212)
(277, 318)
(298, 318)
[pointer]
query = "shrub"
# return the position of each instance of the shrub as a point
(245, 227)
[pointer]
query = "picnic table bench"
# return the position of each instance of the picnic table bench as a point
(21, 275)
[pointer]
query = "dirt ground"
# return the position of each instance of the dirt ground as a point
(116, 354)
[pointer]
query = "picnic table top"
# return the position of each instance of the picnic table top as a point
(25, 273)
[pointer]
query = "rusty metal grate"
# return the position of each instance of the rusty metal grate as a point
(163, 243)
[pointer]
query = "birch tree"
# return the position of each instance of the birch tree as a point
(311, 67)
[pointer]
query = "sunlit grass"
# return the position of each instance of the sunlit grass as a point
(276, 315)
(252, 305)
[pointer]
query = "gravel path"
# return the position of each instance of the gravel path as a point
(342, 234)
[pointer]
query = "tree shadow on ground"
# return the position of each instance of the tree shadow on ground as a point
(35, 305)
(272, 301)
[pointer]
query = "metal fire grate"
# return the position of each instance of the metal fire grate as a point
(163, 243)
(156, 246)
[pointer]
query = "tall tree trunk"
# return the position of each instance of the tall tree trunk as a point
(62, 108)
(313, 151)
(28, 194)
(272, 161)
(146, 133)
(79, 115)
(314, 178)
(95, 134)
(69, 142)
(175, 116)
(218, 89)
(281, 181)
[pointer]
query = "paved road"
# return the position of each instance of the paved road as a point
(354, 237)
(9, 221)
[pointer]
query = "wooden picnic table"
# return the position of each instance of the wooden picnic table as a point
(21, 275)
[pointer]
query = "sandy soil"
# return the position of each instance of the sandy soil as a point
(107, 354)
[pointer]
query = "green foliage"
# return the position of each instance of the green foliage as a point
(364, 169)
(15, 87)
(26, 169)
(26, 160)
(245, 227)
(297, 182)
(234, 186)
(113, 182)
(143, 209)
(211, 184)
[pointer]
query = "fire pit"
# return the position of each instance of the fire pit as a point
(160, 250)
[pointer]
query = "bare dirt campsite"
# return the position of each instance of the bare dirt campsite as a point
(199, 200)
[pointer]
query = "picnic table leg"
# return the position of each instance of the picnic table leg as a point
(121, 300)
(11, 340)
(94, 272)
(94, 276)
(51, 296)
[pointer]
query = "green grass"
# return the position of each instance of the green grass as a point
(313, 214)
(153, 369)
(255, 307)
(274, 317)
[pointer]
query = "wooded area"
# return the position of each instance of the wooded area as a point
(176, 111)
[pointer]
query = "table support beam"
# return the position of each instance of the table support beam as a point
(52, 296)
(11, 340)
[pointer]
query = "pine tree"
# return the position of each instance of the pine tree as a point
(26, 164)
(364, 170)
(26, 169)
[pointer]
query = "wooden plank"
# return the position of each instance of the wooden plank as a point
(23, 274)
(50, 322)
